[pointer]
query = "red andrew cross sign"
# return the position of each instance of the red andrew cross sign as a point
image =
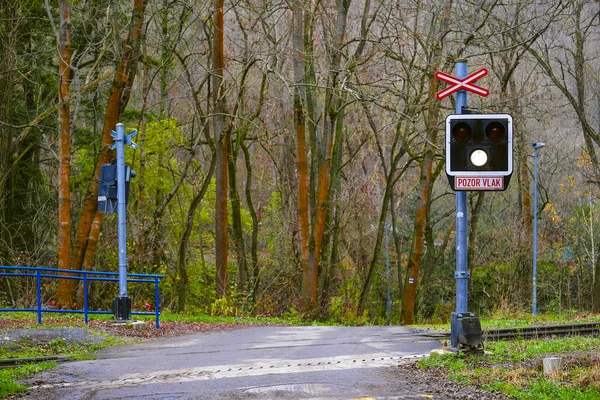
(462, 84)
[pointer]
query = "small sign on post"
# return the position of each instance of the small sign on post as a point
(457, 84)
(478, 183)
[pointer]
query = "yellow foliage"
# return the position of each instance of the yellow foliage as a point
(552, 213)
(583, 160)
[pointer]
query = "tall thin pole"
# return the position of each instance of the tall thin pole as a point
(122, 303)
(592, 230)
(387, 271)
(535, 209)
(462, 269)
(120, 144)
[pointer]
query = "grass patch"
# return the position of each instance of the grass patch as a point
(28, 348)
(212, 319)
(56, 347)
(518, 320)
(29, 319)
(515, 368)
(9, 377)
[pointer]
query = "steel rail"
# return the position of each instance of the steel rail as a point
(541, 331)
(18, 362)
(531, 332)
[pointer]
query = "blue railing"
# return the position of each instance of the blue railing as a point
(85, 276)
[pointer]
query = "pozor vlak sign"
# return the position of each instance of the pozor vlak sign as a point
(479, 153)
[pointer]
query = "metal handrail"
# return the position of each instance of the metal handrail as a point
(85, 277)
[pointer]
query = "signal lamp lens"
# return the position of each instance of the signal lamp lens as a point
(495, 131)
(461, 131)
(478, 157)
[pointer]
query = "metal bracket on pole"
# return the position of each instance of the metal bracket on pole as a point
(462, 274)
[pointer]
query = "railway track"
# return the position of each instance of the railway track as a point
(526, 333)
(532, 332)
(542, 331)
(17, 362)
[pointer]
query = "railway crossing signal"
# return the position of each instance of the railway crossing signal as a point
(479, 151)
(478, 157)
(113, 191)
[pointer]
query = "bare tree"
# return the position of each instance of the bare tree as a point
(64, 134)
(88, 229)
(222, 150)
(570, 66)
(8, 41)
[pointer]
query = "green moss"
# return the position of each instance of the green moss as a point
(9, 377)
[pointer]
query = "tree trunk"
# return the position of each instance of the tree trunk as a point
(333, 113)
(117, 100)
(425, 182)
(64, 152)
(236, 219)
(391, 176)
(302, 155)
(8, 36)
(222, 152)
(182, 287)
(254, 215)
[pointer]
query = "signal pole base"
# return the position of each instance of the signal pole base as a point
(465, 333)
(121, 307)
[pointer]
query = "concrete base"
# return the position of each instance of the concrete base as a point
(131, 324)
(442, 351)
(138, 324)
(463, 350)
(552, 365)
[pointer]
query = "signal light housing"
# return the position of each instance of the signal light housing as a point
(107, 186)
(479, 146)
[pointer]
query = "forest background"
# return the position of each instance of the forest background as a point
(290, 151)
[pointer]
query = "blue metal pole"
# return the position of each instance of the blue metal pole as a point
(462, 269)
(535, 178)
(38, 285)
(85, 298)
(120, 142)
(157, 302)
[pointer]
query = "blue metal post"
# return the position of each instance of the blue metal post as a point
(85, 298)
(122, 304)
(120, 142)
(38, 281)
(157, 302)
(462, 269)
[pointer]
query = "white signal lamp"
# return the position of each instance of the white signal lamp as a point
(479, 158)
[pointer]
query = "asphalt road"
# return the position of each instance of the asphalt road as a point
(252, 363)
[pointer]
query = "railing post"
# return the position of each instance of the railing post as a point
(85, 298)
(156, 302)
(38, 279)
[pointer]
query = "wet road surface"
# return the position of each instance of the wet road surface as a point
(251, 363)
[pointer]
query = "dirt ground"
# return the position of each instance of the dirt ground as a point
(435, 383)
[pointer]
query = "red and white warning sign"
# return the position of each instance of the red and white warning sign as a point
(462, 84)
(478, 183)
